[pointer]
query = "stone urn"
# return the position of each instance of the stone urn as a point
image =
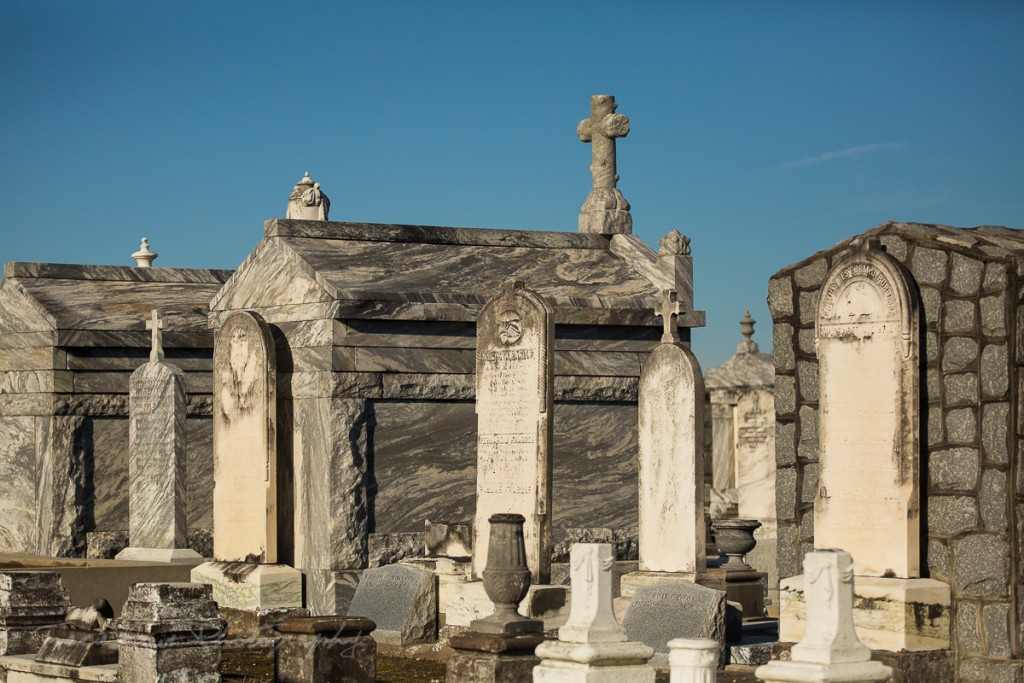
(506, 578)
(735, 538)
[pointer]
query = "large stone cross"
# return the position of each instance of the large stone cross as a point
(669, 310)
(605, 210)
(156, 354)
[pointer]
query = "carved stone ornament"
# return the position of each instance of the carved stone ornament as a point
(506, 578)
(605, 210)
(308, 202)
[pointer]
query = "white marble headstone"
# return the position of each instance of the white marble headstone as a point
(671, 455)
(244, 441)
(867, 339)
(514, 378)
(591, 616)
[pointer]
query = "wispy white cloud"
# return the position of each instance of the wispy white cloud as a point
(847, 153)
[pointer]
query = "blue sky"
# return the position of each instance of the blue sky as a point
(765, 131)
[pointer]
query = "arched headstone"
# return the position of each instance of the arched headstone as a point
(867, 339)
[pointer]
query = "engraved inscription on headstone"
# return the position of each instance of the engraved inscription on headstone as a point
(671, 459)
(157, 458)
(514, 376)
(244, 442)
(867, 501)
(755, 454)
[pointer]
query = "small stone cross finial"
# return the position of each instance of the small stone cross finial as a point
(155, 324)
(605, 210)
(669, 309)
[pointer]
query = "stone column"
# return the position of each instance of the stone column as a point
(693, 660)
(29, 602)
(830, 650)
(170, 632)
(592, 645)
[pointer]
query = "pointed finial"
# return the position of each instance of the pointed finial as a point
(748, 345)
(144, 257)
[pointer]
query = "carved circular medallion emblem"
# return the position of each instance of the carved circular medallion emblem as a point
(509, 328)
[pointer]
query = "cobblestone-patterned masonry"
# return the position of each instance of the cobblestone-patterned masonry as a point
(970, 286)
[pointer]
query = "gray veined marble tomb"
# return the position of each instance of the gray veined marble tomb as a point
(157, 459)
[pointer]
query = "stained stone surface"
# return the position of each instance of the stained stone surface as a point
(29, 602)
(244, 441)
(868, 354)
(157, 466)
(401, 600)
(515, 340)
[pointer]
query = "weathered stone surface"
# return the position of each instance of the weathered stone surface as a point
(811, 275)
(780, 297)
(18, 484)
(954, 469)
(959, 353)
(401, 600)
(808, 448)
(448, 539)
(384, 549)
(992, 498)
(997, 629)
(993, 316)
(994, 428)
(931, 302)
(659, 614)
(808, 306)
(895, 246)
(938, 560)
(785, 395)
(966, 628)
(29, 602)
(995, 277)
(786, 493)
(961, 389)
(807, 378)
(806, 343)
(965, 275)
(949, 515)
(929, 266)
(515, 334)
(605, 211)
(785, 448)
(755, 453)
(981, 565)
(935, 425)
(868, 326)
(334, 652)
(931, 347)
(961, 426)
(782, 347)
(994, 374)
(959, 316)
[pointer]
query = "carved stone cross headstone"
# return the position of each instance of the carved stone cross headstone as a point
(868, 500)
(605, 210)
(671, 460)
(155, 324)
(514, 378)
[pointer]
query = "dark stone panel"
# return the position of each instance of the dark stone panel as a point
(199, 487)
(110, 474)
(424, 465)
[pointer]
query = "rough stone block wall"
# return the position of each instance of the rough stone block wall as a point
(972, 486)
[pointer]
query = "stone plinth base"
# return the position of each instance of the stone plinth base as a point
(593, 663)
(170, 555)
(315, 649)
(800, 672)
(25, 669)
(888, 614)
(481, 658)
(907, 667)
(29, 602)
(467, 601)
(253, 624)
(251, 586)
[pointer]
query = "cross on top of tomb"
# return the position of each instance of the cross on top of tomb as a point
(605, 210)
(669, 310)
(155, 324)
